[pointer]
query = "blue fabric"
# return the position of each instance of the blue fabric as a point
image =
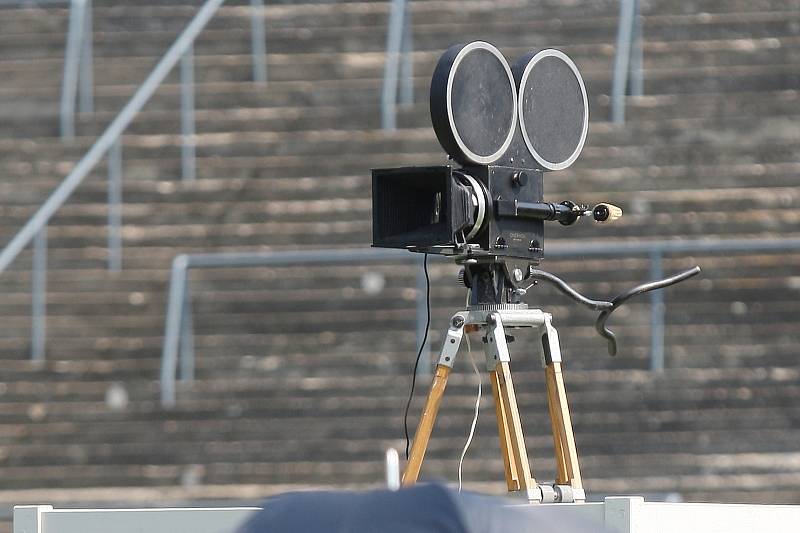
(424, 508)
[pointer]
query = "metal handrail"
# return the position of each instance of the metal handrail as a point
(109, 144)
(114, 130)
(178, 348)
(399, 37)
(628, 60)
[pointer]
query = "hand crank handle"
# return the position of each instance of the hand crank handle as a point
(606, 308)
(600, 325)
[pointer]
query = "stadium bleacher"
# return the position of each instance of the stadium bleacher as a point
(302, 374)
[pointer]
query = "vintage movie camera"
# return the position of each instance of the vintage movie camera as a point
(506, 126)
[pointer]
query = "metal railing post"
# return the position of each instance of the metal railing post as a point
(637, 53)
(425, 357)
(86, 63)
(115, 206)
(622, 60)
(69, 83)
(187, 334)
(394, 38)
(656, 314)
(175, 306)
(407, 65)
(39, 296)
(188, 169)
(259, 41)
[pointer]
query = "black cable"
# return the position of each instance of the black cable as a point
(421, 347)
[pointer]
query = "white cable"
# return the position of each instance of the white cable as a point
(477, 407)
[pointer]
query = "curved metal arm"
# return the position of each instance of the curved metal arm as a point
(563, 286)
(600, 325)
(606, 308)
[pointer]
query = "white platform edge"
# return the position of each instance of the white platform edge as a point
(619, 514)
(46, 519)
(632, 514)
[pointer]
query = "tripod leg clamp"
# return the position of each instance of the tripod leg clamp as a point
(452, 340)
(496, 346)
(550, 343)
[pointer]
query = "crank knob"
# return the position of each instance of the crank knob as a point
(604, 213)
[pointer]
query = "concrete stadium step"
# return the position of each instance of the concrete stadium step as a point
(667, 420)
(603, 134)
(594, 175)
(652, 181)
(309, 14)
(73, 242)
(328, 66)
(301, 14)
(261, 338)
(114, 337)
(283, 118)
(271, 455)
(149, 276)
(237, 428)
(353, 91)
(253, 228)
(137, 367)
(266, 396)
(720, 283)
(774, 144)
(762, 104)
(594, 465)
(441, 458)
(182, 209)
(759, 290)
(431, 32)
(263, 349)
(727, 387)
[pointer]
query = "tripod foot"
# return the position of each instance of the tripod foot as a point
(557, 493)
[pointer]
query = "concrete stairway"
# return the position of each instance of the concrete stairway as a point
(302, 374)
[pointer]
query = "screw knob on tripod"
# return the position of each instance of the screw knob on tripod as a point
(462, 278)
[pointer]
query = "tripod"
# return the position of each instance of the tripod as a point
(493, 307)
(493, 319)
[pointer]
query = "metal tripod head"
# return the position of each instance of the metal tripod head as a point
(491, 284)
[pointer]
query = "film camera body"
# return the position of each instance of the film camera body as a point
(506, 127)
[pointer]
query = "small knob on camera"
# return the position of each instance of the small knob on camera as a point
(519, 179)
(606, 213)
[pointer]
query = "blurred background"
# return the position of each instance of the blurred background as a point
(256, 134)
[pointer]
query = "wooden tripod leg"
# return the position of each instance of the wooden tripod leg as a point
(512, 440)
(562, 476)
(512, 478)
(425, 425)
(562, 425)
